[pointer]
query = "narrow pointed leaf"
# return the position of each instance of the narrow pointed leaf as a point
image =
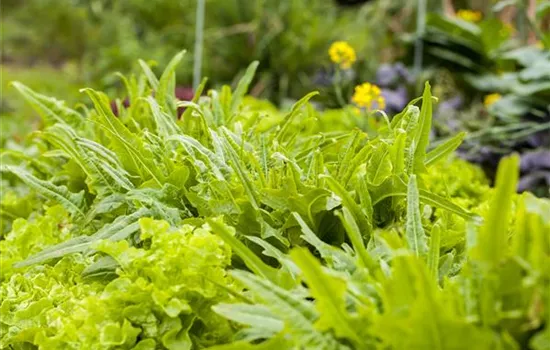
(414, 232)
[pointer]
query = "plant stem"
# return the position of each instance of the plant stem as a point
(199, 31)
(338, 88)
(420, 27)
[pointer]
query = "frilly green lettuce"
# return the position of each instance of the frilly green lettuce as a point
(162, 289)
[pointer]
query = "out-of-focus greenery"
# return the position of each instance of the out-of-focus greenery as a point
(494, 86)
(289, 38)
(465, 60)
(246, 227)
(17, 117)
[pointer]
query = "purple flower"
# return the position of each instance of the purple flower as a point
(532, 180)
(386, 75)
(535, 160)
(404, 73)
(451, 104)
(396, 74)
(396, 99)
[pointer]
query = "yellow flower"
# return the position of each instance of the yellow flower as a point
(342, 53)
(469, 15)
(368, 96)
(491, 98)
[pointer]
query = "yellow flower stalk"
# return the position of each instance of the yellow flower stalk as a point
(368, 96)
(342, 53)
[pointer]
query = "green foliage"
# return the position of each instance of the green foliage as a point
(242, 227)
(525, 87)
(104, 36)
(497, 89)
(488, 60)
(411, 308)
(54, 306)
(16, 117)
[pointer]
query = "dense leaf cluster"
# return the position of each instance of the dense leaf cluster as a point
(238, 226)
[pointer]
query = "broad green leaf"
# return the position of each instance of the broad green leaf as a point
(101, 165)
(198, 151)
(359, 159)
(187, 113)
(104, 267)
(130, 86)
(404, 324)
(428, 198)
(297, 314)
(349, 153)
(398, 152)
(334, 257)
(398, 118)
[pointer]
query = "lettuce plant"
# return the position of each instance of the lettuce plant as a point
(238, 226)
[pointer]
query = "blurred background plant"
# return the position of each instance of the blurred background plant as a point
(488, 61)
(491, 68)
(105, 36)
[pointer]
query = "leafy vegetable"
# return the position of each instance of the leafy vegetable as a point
(242, 227)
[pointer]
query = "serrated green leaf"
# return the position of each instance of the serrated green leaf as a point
(74, 203)
(119, 229)
(422, 133)
(166, 87)
(50, 109)
(414, 232)
(130, 149)
(254, 263)
(256, 316)
(242, 86)
(329, 293)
